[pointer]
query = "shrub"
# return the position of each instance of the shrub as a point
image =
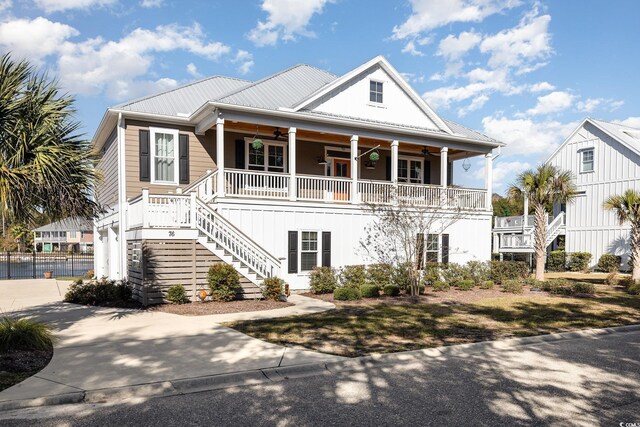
(487, 284)
(579, 261)
(224, 282)
(391, 290)
(626, 282)
(583, 288)
(609, 263)
(500, 271)
(401, 275)
(477, 271)
(453, 273)
(97, 292)
(512, 286)
(557, 287)
(440, 286)
(346, 294)
(24, 334)
(465, 285)
(370, 291)
(273, 288)
(530, 281)
(431, 273)
(634, 289)
(379, 274)
(612, 279)
(353, 276)
(177, 294)
(557, 261)
(323, 280)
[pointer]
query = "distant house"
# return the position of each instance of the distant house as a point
(605, 160)
(70, 234)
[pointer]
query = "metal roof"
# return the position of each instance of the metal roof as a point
(469, 133)
(281, 90)
(68, 224)
(625, 134)
(184, 100)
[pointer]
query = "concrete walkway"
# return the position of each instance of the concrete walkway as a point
(100, 348)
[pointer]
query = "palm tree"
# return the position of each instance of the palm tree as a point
(543, 186)
(45, 166)
(627, 208)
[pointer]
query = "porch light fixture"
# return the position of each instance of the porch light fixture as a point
(321, 160)
(466, 165)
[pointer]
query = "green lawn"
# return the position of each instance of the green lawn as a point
(365, 327)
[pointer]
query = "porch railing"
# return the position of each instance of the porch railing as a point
(205, 187)
(323, 188)
(516, 241)
(256, 184)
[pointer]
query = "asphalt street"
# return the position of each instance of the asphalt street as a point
(585, 382)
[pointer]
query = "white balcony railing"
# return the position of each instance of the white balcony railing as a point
(323, 188)
(205, 187)
(516, 241)
(256, 184)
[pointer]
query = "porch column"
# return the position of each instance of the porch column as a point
(220, 155)
(354, 169)
(444, 166)
(293, 186)
(525, 211)
(488, 180)
(394, 161)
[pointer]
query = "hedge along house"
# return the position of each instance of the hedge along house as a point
(604, 159)
(187, 184)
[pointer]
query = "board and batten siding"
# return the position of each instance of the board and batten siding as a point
(590, 228)
(107, 169)
(201, 156)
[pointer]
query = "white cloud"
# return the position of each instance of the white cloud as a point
(589, 105)
(453, 48)
(193, 70)
(633, 122)
(245, 61)
(151, 3)
(34, 39)
(482, 82)
(523, 47)
(504, 173)
(541, 87)
(526, 136)
(477, 103)
(129, 89)
(5, 5)
(286, 19)
(429, 14)
(411, 49)
(552, 103)
(50, 6)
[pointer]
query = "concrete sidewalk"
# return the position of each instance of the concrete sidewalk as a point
(101, 348)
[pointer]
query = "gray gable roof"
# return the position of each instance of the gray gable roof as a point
(281, 90)
(68, 224)
(184, 100)
(469, 133)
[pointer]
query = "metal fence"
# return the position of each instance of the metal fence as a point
(25, 265)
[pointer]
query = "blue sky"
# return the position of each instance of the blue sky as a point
(524, 72)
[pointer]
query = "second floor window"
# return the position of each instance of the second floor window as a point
(410, 171)
(375, 91)
(273, 161)
(164, 150)
(587, 160)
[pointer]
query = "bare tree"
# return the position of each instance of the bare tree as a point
(400, 230)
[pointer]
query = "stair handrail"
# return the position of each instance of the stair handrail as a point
(235, 241)
(554, 226)
(200, 186)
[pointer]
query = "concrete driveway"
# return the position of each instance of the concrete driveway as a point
(100, 348)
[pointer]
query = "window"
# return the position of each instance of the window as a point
(164, 154)
(308, 250)
(587, 160)
(375, 91)
(274, 161)
(431, 248)
(410, 170)
(72, 234)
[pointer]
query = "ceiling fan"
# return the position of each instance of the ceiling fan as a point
(277, 134)
(426, 152)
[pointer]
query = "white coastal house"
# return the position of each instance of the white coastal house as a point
(604, 159)
(186, 186)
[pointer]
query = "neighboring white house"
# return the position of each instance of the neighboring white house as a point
(70, 234)
(181, 200)
(605, 160)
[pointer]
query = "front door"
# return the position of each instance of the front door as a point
(341, 168)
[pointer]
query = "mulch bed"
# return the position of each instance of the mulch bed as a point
(450, 296)
(212, 307)
(18, 365)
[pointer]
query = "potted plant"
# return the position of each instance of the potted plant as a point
(257, 143)
(373, 159)
(48, 274)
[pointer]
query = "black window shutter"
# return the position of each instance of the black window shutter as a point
(183, 155)
(450, 173)
(388, 168)
(326, 249)
(145, 155)
(426, 179)
(445, 249)
(240, 150)
(293, 252)
(420, 250)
